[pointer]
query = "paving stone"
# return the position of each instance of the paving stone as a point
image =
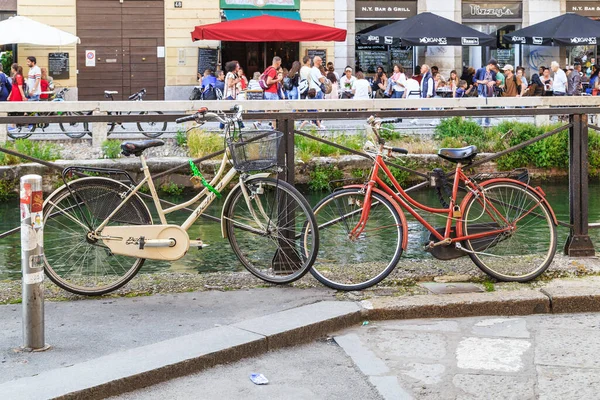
(568, 348)
(562, 383)
(482, 386)
(389, 388)
(403, 344)
(567, 321)
(364, 358)
(428, 374)
(504, 355)
(502, 327)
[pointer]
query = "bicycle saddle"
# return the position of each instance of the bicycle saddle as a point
(137, 148)
(464, 155)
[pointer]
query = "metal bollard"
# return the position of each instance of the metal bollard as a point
(32, 264)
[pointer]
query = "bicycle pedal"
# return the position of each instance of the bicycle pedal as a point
(198, 243)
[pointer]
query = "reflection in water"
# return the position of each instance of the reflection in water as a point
(218, 256)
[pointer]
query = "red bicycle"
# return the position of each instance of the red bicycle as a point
(504, 225)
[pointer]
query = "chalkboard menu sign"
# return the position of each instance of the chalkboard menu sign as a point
(317, 52)
(58, 65)
(369, 60)
(403, 57)
(207, 59)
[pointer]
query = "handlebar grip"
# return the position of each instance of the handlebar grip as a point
(399, 150)
(186, 119)
(392, 121)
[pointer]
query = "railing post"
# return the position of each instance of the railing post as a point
(99, 131)
(32, 262)
(3, 131)
(287, 155)
(578, 243)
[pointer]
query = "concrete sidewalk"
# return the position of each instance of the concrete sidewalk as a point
(111, 346)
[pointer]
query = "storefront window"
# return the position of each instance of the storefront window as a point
(504, 53)
(369, 57)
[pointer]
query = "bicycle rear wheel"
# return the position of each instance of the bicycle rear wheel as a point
(76, 262)
(272, 246)
(346, 264)
(152, 129)
(74, 130)
(523, 252)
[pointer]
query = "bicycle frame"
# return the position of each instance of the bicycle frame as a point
(218, 182)
(405, 202)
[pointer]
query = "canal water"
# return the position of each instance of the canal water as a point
(218, 256)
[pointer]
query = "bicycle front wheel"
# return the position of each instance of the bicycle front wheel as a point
(76, 262)
(355, 264)
(75, 130)
(266, 232)
(21, 131)
(522, 252)
(152, 129)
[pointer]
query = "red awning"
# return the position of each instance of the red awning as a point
(266, 28)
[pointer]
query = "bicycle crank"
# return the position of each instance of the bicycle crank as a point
(153, 242)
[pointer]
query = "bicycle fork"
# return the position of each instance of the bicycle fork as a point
(364, 216)
(249, 198)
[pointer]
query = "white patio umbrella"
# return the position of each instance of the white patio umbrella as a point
(17, 30)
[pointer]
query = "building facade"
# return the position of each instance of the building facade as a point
(130, 44)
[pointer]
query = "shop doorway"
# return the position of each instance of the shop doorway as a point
(128, 40)
(504, 53)
(258, 56)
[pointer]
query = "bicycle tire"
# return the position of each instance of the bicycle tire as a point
(75, 263)
(345, 264)
(152, 129)
(82, 128)
(513, 256)
(272, 256)
(21, 131)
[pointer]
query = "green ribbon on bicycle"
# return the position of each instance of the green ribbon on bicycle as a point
(196, 172)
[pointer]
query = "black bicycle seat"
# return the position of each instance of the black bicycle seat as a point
(137, 148)
(463, 155)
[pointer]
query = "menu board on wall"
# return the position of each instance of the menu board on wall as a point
(368, 60)
(312, 53)
(403, 57)
(207, 59)
(58, 65)
(504, 57)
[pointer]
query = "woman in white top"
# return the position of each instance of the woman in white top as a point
(397, 82)
(361, 87)
(232, 81)
(346, 83)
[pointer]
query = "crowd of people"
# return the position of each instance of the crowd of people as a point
(313, 80)
(14, 86)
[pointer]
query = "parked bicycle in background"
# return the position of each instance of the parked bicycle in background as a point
(149, 129)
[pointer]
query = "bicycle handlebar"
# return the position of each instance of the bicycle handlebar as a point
(203, 115)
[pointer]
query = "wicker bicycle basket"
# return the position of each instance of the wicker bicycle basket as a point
(247, 154)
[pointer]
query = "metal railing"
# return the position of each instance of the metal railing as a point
(577, 108)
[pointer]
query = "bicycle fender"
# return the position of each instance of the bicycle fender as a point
(396, 206)
(537, 191)
(228, 200)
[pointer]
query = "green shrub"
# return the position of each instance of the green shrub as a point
(307, 148)
(181, 138)
(202, 143)
(111, 148)
(171, 189)
(46, 152)
(388, 132)
(322, 175)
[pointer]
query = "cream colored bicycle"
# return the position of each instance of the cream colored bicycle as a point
(102, 231)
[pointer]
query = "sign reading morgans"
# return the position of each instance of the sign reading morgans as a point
(583, 40)
(433, 40)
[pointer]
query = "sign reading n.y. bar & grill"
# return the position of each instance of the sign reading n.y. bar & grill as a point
(584, 8)
(260, 4)
(385, 9)
(471, 10)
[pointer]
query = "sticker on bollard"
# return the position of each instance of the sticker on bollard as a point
(36, 277)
